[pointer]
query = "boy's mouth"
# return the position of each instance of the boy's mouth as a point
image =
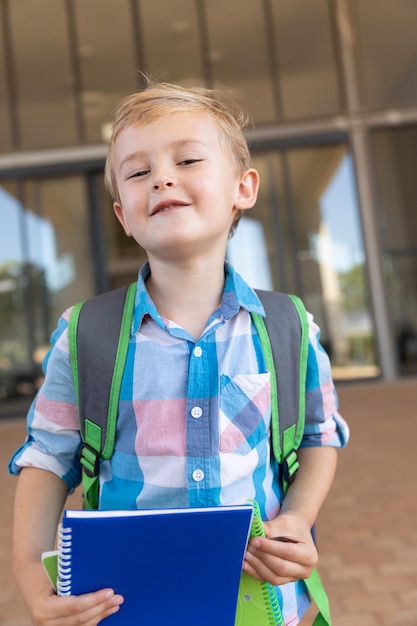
(167, 205)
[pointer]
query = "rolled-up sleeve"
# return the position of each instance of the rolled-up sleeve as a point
(53, 441)
(324, 426)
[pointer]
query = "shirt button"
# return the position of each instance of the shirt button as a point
(198, 475)
(198, 351)
(196, 412)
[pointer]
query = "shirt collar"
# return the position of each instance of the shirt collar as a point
(237, 294)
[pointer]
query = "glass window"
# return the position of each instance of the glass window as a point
(124, 256)
(307, 211)
(306, 58)
(331, 257)
(43, 73)
(401, 279)
(238, 55)
(395, 153)
(395, 156)
(5, 134)
(256, 250)
(58, 242)
(16, 366)
(388, 49)
(45, 266)
(107, 60)
(171, 41)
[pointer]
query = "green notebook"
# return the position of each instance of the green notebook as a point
(257, 601)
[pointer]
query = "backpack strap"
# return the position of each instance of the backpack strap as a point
(284, 337)
(97, 367)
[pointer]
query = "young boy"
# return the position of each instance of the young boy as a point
(179, 172)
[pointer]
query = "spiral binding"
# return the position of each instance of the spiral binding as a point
(268, 590)
(272, 604)
(64, 561)
(257, 528)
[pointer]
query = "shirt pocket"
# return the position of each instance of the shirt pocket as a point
(244, 415)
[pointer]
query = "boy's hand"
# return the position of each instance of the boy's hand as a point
(86, 610)
(286, 554)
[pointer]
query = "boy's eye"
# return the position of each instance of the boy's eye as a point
(137, 174)
(189, 161)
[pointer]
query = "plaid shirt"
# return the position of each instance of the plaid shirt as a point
(194, 416)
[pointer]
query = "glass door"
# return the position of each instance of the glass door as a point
(396, 163)
(304, 237)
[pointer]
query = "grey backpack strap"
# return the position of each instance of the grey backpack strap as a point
(99, 331)
(285, 346)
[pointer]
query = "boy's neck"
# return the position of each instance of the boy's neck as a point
(187, 294)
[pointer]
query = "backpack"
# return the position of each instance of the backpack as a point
(99, 332)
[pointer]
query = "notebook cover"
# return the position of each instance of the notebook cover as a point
(172, 566)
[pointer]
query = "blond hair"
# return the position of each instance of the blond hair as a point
(158, 100)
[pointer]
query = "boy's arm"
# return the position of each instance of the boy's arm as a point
(293, 555)
(39, 500)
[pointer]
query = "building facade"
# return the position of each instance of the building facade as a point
(331, 86)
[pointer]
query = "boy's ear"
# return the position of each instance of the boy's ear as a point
(118, 211)
(248, 190)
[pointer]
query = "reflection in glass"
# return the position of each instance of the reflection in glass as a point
(63, 251)
(256, 249)
(389, 50)
(305, 58)
(18, 371)
(323, 229)
(248, 254)
(395, 156)
(124, 256)
(396, 164)
(401, 276)
(45, 266)
(331, 256)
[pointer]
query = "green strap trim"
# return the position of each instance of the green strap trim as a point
(303, 368)
(291, 457)
(88, 459)
(72, 340)
(119, 366)
(269, 359)
(318, 595)
(92, 435)
(91, 486)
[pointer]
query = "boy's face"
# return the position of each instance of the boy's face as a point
(178, 189)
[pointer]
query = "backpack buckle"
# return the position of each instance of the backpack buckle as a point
(290, 466)
(90, 460)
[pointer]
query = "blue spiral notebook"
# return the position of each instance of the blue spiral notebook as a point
(176, 566)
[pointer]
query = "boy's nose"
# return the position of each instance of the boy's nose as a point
(162, 183)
